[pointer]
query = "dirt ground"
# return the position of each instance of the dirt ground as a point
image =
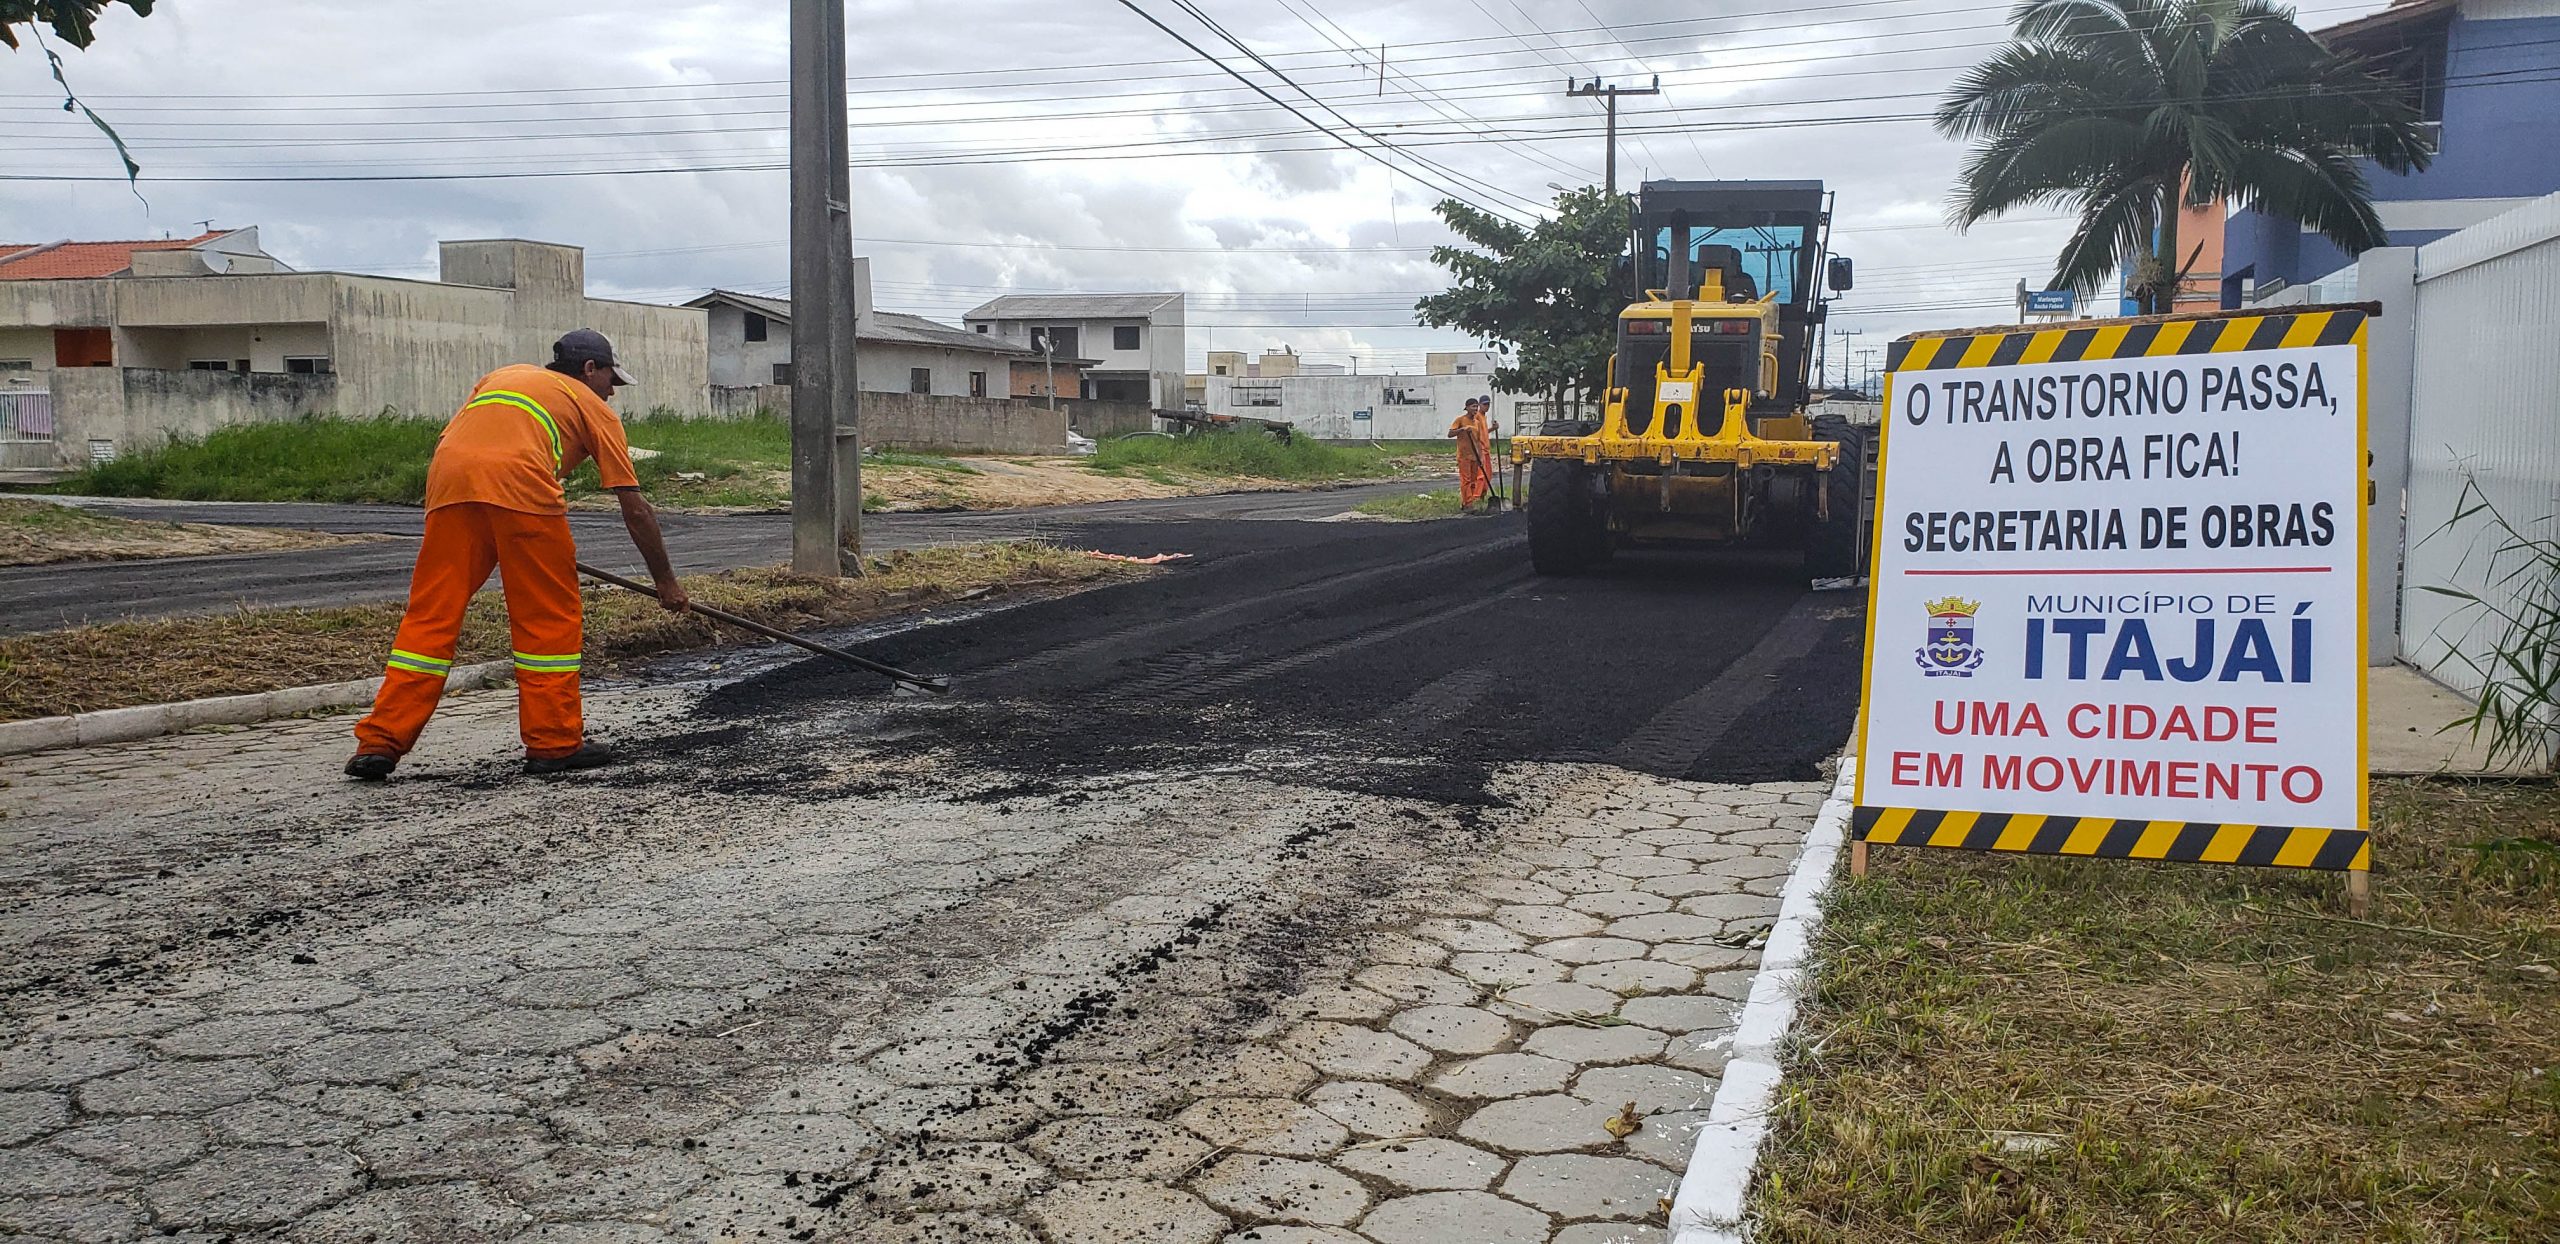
(1007, 483)
(38, 533)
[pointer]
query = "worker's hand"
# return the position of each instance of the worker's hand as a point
(673, 597)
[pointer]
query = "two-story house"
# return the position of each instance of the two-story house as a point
(2486, 75)
(1134, 341)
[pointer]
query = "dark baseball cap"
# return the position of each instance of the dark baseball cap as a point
(580, 345)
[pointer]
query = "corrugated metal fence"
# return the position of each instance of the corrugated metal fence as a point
(2484, 427)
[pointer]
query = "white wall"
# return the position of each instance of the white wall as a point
(738, 361)
(2481, 418)
(1321, 406)
(884, 366)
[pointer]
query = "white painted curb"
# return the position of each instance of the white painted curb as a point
(145, 721)
(1708, 1207)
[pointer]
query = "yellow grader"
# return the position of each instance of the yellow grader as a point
(1703, 437)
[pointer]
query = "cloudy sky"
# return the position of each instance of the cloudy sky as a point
(1007, 145)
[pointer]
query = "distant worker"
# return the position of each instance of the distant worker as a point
(494, 500)
(1474, 436)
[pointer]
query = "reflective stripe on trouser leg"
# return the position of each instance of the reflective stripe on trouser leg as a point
(536, 663)
(454, 559)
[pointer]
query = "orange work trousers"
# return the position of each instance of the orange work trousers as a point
(537, 563)
(1475, 470)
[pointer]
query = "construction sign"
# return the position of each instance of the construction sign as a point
(2116, 602)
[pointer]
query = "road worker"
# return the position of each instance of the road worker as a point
(1474, 436)
(494, 500)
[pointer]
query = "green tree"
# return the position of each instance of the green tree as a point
(73, 21)
(2123, 110)
(1547, 291)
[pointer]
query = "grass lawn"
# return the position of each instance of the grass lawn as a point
(339, 460)
(1441, 503)
(148, 662)
(1250, 455)
(2009, 1049)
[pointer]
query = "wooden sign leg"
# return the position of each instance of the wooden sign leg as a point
(2359, 893)
(1858, 858)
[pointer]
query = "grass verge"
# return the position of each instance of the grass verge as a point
(349, 461)
(37, 533)
(1441, 503)
(2012, 1049)
(1250, 455)
(115, 664)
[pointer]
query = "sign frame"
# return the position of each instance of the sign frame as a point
(2341, 848)
(2049, 302)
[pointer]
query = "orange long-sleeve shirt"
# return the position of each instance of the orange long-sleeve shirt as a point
(523, 429)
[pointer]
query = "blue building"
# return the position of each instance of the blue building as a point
(2486, 74)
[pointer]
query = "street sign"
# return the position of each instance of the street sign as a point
(1360, 414)
(2049, 302)
(2116, 600)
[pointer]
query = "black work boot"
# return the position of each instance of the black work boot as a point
(588, 756)
(371, 766)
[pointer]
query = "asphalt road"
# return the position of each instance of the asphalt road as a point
(34, 598)
(1337, 884)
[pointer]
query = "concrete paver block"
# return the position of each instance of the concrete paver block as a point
(1117, 1211)
(1371, 1109)
(966, 1227)
(1293, 1235)
(1459, 935)
(1408, 984)
(451, 1213)
(1610, 904)
(1503, 1075)
(1653, 1089)
(1579, 950)
(1105, 1147)
(236, 1036)
(1514, 968)
(1545, 1004)
(1544, 921)
(254, 1187)
(1573, 1043)
(1447, 1217)
(366, 1058)
(175, 1088)
(1257, 1188)
(1643, 865)
(1452, 1029)
(1428, 1164)
(1571, 1185)
(26, 1115)
(1264, 1125)
(1514, 890)
(1545, 1124)
(1682, 1014)
(1708, 956)
(1704, 1052)
(786, 1142)
(1730, 906)
(1668, 926)
(1581, 880)
(1355, 1053)
(1667, 1140)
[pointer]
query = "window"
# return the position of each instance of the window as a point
(1057, 341)
(782, 373)
(757, 328)
(208, 365)
(982, 328)
(309, 365)
(1124, 337)
(8, 365)
(919, 380)
(977, 384)
(1256, 394)
(1220, 369)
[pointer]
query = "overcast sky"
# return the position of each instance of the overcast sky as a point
(1008, 145)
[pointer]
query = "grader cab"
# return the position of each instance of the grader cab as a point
(1703, 436)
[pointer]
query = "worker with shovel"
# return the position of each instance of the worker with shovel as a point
(494, 501)
(1475, 453)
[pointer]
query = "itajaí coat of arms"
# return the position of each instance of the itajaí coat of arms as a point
(1949, 650)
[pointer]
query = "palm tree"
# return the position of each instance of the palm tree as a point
(2127, 110)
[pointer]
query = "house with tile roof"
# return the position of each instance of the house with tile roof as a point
(216, 251)
(750, 336)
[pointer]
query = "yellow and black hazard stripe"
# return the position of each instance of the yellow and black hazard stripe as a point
(2101, 837)
(2125, 339)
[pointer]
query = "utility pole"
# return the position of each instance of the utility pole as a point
(1844, 335)
(1866, 370)
(823, 318)
(1611, 94)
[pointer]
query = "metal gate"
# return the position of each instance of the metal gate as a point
(2482, 429)
(26, 416)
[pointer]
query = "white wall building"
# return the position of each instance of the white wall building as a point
(893, 352)
(1134, 340)
(1386, 408)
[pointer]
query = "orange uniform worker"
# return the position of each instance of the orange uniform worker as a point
(1474, 435)
(494, 501)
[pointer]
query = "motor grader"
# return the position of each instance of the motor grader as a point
(1703, 437)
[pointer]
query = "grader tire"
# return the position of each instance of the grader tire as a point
(1559, 509)
(1831, 545)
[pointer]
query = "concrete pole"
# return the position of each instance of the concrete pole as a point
(844, 311)
(2387, 275)
(814, 406)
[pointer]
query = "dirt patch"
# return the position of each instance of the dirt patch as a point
(39, 533)
(83, 669)
(1007, 483)
(2036, 1049)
